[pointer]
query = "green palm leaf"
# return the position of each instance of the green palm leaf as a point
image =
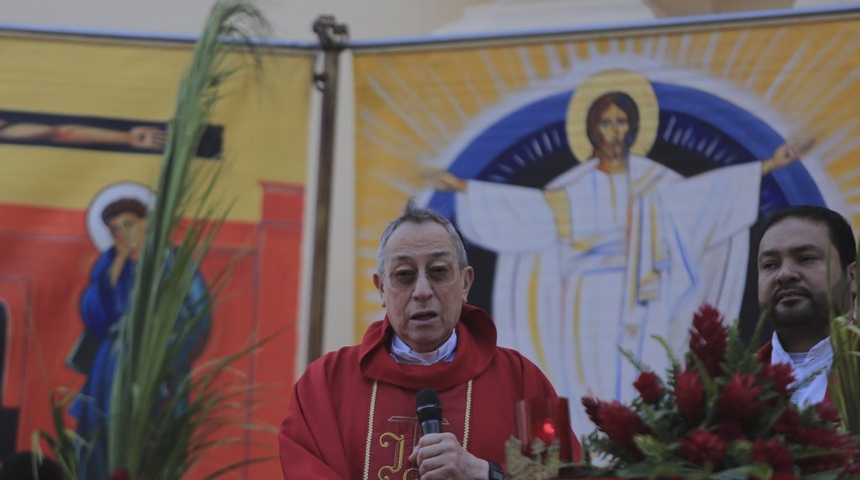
(844, 382)
(162, 420)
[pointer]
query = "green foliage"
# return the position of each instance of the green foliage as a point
(845, 376)
(179, 431)
(64, 444)
(844, 379)
(160, 423)
(845, 373)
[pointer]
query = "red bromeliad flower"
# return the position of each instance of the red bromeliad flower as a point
(779, 376)
(120, 474)
(783, 476)
(730, 430)
(822, 464)
(788, 422)
(828, 412)
(821, 437)
(853, 470)
(621, 424)
(826, 438)
(708, 338)
(702, 447)
(592, 408)
(690, 396)
(775, 454)
(740, 398)
(649, 387)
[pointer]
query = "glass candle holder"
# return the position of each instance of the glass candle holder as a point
(547, 420)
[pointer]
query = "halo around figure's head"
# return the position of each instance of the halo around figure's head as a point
(608, 81)
(98, 231)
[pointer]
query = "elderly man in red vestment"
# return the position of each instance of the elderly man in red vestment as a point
(803, 252)
(352, 414)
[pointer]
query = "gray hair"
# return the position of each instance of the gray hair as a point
(412, 213)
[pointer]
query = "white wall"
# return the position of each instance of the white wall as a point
(291, 19)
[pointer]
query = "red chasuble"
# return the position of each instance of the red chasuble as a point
(352, 415)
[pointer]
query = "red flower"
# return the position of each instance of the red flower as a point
(779, 376)
(783, 476)
(828, 439)
(853, 470)
(828, 412)
(592, 408)
(788, 421)
(702, 447)
(621, 424)
(120, 474)
(774, 454)
(708, 338)
(649, 387)
(740, 398)
(730, 430)
(822, 437)
(689, 395)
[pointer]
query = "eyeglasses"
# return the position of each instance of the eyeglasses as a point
(405, 278)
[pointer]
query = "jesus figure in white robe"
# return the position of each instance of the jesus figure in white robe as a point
(610, 253)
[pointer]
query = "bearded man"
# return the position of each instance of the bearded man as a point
(806, 255)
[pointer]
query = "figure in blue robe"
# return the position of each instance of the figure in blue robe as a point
(103, 305)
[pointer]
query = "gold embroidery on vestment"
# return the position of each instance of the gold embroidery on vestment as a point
(369, 431)
(398, 441)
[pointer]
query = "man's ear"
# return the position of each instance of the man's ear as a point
(380, 286)
(468, 278)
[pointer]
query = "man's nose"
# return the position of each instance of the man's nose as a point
(786, 273)
(422, 288)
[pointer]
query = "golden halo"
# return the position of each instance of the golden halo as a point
(631, 83)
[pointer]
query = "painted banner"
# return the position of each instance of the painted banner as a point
(606, 183)
(82, 125)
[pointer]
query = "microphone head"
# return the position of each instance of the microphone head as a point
(428, 405)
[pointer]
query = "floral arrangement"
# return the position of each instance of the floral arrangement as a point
(722, 414)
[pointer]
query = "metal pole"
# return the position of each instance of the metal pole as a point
(331, 37)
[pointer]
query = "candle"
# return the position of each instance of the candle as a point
(544, 419)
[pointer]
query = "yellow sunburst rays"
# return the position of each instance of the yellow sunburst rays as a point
(819, 89)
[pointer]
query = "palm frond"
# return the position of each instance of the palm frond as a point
(844, 384)
(161, 418)
(63, 445)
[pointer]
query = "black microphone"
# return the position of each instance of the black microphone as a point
(429, 411)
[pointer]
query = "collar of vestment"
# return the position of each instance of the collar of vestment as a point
(475, 347)
(403, 353)
(820, 353)
(817, 364)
